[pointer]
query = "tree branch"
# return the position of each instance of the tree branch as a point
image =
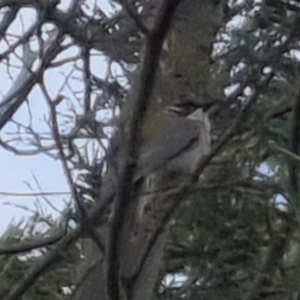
(138, 105)
(83, 217)
(25, 246)
(21, 287)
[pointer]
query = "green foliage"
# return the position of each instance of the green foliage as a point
(232, 239)
(53, 284)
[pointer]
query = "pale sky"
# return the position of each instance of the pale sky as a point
(18, 174)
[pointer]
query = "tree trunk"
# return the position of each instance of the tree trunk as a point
(183, 71)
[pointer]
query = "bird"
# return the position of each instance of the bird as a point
(173, 140)
(171, 144)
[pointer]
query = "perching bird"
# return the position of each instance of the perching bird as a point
(175, 139)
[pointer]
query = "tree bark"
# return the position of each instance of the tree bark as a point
(183, 71)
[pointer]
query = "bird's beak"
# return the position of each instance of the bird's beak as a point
(197, 115)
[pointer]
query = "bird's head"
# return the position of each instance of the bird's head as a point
(192, 109)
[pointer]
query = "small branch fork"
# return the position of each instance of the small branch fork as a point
(135, 17)
(85, 222)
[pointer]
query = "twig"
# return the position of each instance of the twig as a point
(295, 158)
(27, 194)
(7, 19)
(294, 149)
(24, 39)
(31, 245)
(238, 184)
(81, 210)
(17, 95)
(21, 287)
(87, 79)
(135, 18)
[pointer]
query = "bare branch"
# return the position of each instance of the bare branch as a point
(83, 215)
(21, 286)
(135, 17)
(87, 79)
(26, 79)
(25, 246)
(23, 40)
(7, 19)
(12, 194)
(249, 185)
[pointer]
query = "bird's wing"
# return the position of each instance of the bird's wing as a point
(178, 134)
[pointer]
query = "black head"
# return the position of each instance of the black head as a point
(188, 107)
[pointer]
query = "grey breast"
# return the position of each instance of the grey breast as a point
(177, 147)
